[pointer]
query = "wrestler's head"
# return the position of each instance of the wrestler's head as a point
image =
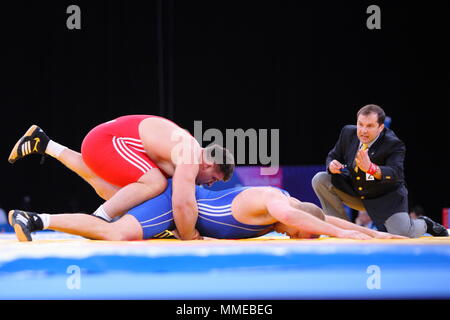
(217, 165)
(369, 123)
(294, 232)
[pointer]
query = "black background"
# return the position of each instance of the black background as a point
(304, 67)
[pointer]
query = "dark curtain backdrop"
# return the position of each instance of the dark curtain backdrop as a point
(304, 67)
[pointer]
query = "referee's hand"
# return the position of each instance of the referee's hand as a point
(335, 167)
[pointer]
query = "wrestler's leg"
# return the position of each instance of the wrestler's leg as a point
(74, 161)
(35, 141)
(155, 215)
(130, 227)
(126, 228)
(149, 185)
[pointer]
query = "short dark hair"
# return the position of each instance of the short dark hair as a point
(223, 158)
(419, 210)
(372, 108)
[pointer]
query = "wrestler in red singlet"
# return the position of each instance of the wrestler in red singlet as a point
(114, 151)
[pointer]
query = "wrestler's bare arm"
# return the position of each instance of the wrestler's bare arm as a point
(184, 204)
(280, 208)
(159, 137)
(284, 213)
(343, 224)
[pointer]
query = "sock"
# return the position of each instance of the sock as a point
(54, 149)
(45, 218)
(100, 212)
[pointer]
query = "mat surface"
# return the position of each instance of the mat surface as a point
(57, 266)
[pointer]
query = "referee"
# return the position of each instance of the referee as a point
(365, 172)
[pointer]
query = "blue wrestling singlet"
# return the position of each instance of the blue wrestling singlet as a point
(214, 214)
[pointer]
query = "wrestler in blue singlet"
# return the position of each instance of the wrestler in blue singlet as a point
(214, 214)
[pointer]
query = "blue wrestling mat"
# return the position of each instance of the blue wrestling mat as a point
(58, 266)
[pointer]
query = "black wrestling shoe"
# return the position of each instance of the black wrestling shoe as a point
(24, 223)
(34, 141)
(434, 228)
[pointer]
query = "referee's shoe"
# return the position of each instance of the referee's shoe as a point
(434, 228)
(34, 141)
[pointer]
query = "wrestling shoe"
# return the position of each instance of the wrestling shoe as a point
(34, 141)
(166, 234)
(434, 228)
(24, 223)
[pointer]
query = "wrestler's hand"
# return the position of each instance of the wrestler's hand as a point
(335, 167)
(176, 234)
(352, 234)
(196, 235)
(385, 235)
(209, 238)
